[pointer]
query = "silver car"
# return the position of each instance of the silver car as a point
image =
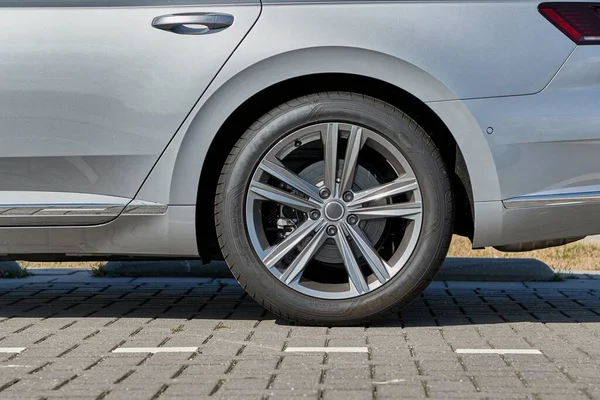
(326, 150)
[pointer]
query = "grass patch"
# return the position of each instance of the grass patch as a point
(220, 325)
(177, 330)
(557, 277)
(576, 256)
(71, 264)
(100, 272)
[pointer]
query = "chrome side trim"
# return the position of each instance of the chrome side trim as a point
(22, 210)
(551, 200)
(62, 209)
(139, 207)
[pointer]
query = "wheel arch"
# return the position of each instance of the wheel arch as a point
(238, 98)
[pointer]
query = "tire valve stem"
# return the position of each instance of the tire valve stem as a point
(297, 143)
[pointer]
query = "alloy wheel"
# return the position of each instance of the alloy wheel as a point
(334, 210)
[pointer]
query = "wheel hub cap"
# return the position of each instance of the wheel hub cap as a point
(334, 210)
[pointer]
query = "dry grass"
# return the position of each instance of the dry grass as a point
(572, 257)
(576, 256)
(36, 264)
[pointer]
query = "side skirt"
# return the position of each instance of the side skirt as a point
(168, 235)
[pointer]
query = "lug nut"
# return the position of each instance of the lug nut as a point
(352, 219)
(315, 214)
(331, 230)
(325, 193)
(348, 196)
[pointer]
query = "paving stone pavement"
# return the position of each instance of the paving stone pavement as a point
(69, 324)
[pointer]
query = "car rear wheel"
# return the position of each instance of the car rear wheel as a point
(334, 209)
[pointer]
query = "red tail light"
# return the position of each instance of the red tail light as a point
(579, 21)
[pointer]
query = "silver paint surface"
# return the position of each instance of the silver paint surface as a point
(106, 105)
(415, 46)
(169, 234)
(90, 97)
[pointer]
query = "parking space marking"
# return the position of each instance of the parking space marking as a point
(327, 350)
(155, 350)
(251, 353)
(498, 351)
(12, 349)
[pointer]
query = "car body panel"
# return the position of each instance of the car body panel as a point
(88, 106)
(476, 64)
(470, 62)
(241, 78)
(427, 67)
(169, 234)
(174, 178)
(545, 158)
(117, 3)
(551, 140)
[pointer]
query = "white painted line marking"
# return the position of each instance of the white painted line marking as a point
(12, 349)
(498, 351)
(327, 350)
(155, 350)
(390, 382)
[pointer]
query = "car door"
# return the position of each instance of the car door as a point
(91, 92)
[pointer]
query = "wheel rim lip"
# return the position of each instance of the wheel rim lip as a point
(284, 147)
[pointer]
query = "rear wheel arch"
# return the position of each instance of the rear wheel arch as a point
(237, 103)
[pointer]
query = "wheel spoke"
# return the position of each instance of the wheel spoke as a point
(330, 144)
(279, 171)
(299, 264)
(355, 276)
(277, 252)
(403, 210)
(333, 196)
(377, 264)
(267, 192)
(351, 158)
(393, 188)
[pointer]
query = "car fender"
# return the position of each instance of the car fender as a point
(174, 179)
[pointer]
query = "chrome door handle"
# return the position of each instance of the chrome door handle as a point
(193, 23)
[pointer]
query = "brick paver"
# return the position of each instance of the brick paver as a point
(70, 323)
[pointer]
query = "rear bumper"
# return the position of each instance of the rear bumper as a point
(538, 175)
(498, 226)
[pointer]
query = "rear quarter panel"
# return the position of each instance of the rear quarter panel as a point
(475, 48)
(437, 51)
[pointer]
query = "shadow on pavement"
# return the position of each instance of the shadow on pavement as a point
(77, 295)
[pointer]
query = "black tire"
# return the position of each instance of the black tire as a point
(429, 168)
